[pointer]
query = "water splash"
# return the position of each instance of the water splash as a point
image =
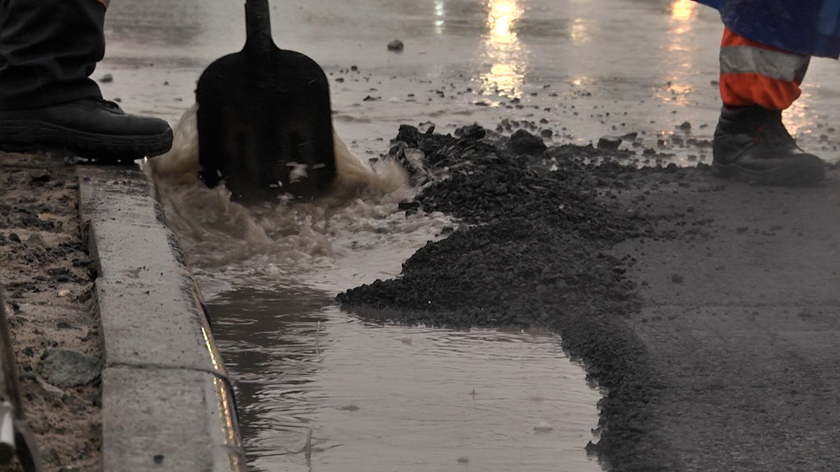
(357, 213)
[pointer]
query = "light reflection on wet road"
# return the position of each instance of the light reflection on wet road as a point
(589, 68)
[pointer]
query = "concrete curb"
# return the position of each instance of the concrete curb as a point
(167, 403)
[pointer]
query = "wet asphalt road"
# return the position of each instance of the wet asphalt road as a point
(744, 341)
(747, 344)
(588, 68)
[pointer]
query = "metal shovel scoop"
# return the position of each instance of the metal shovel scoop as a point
(264, 118)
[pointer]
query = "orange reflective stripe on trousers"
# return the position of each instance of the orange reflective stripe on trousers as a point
(752, 73)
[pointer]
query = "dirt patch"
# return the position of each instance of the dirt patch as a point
(48, 284)
(534, 252)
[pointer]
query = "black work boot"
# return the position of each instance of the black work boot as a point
(752, 144)
(90, 127)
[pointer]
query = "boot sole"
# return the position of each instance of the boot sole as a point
(800, 174)
(33, 136)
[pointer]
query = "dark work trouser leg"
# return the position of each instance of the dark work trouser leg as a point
(48, 49)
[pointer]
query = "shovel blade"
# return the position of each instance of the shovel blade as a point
(265, 127)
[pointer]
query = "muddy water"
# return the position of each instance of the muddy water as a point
(394, 398)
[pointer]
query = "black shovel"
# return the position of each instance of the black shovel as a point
(264, 119)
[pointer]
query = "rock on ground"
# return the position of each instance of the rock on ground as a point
(65, 368)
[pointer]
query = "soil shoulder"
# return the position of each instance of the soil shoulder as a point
(45, 269)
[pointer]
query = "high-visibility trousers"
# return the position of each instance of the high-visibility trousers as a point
(752, 73)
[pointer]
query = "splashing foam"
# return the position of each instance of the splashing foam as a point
(358, 212)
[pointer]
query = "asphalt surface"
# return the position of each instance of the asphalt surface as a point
(706, 308)
(746, 346)
(719, 354)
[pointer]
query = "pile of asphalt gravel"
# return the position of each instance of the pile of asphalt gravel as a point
(534, 252)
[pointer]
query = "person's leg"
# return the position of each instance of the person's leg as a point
(752, 73)
(757, 82)
(48, 50)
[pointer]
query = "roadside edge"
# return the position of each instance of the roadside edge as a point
(167, 401)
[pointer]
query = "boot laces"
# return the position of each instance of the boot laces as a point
(774, 135)
(107, 103)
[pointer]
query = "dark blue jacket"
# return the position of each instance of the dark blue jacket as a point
(809, 27)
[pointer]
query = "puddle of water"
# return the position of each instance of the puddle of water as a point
(396, 398)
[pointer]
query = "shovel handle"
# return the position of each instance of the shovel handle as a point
(7, 433)
(258, 25)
